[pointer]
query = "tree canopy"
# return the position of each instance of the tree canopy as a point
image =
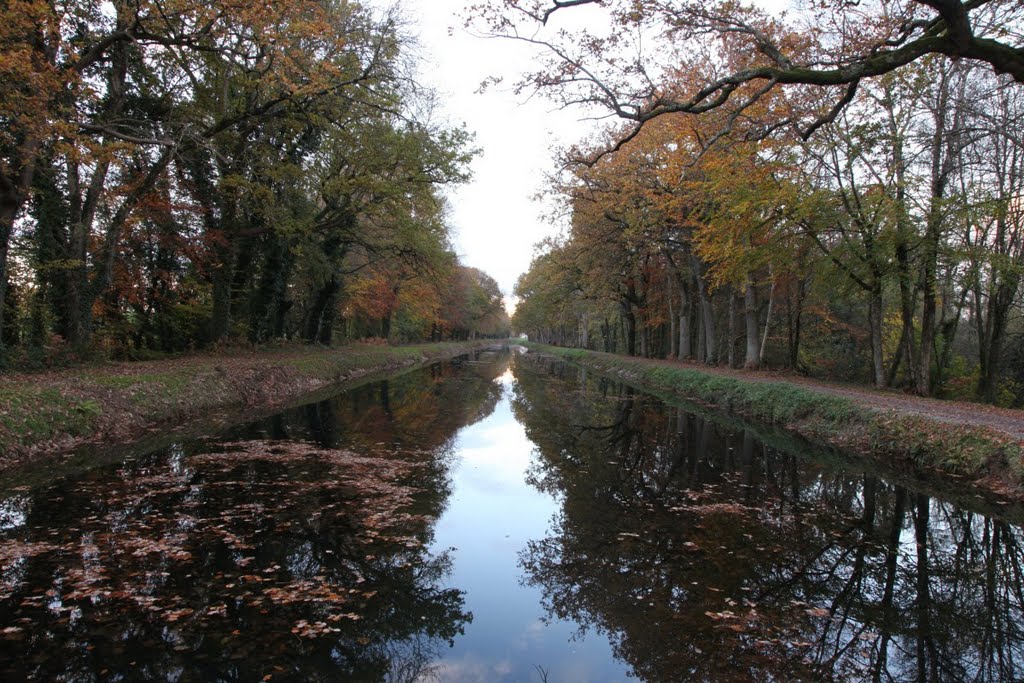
(836, 191)
(177, 173)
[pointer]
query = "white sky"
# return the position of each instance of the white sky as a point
(495, 219)
(496, 222)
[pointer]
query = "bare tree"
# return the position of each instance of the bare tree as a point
(736, 54)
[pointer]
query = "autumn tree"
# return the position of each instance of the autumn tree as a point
(834, 152)
(179, 173)
(548, 296)
(474, 305)
(852, 212)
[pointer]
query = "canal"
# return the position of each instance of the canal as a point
(500, 517)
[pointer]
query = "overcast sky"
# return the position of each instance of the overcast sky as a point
(495, 219)
(496, 222)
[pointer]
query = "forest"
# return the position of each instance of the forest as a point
(177, 174)
(835, 191)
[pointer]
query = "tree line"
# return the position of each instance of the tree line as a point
(751, 212)
(176, 174)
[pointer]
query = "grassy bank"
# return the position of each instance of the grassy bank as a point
(58, 411)
(991, 461)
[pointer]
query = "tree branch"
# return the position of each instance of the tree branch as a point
(562, 4)
(124, 137)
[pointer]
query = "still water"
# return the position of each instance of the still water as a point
(500, 518)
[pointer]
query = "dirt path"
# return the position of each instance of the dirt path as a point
(1003, 420)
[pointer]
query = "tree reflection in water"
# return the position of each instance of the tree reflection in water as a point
(295, 549)
(705, 555)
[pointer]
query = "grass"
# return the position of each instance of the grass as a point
(956, 449)
(120, 402)
(908, 442)
(142, 389)
(29, 415)
(775, 403)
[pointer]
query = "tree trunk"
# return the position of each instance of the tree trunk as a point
(905, 236)
(83, 203)
(645, 334)
(242, 279)
(793, 322)
(707, 313)
(767, 325)
(894, 367)
(929, 294)
(733, 324)
(990, 355)
(751, 360)
(875, 330)
(220, 320)
(673, 337)
(83, 206)
(907, 306)
(266, 302)
(629, 321)
(8, 212)
(685, 328)
(320, 319)
(14, 192)
(948, 325)
(946, 148)
(708, 324)
(702, 343)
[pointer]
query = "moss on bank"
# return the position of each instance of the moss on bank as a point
(992, 461)
(118, 403)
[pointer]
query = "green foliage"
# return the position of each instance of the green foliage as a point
(476, 306)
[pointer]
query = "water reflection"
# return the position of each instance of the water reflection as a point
(492, 515)
(353, 539)
(294, 549)
(705, 555)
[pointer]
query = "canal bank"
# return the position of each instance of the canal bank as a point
(55, 412)
(972, 445)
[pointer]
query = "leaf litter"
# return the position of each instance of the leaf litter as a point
(143, 548)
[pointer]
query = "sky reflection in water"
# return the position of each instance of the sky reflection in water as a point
(492, 515)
